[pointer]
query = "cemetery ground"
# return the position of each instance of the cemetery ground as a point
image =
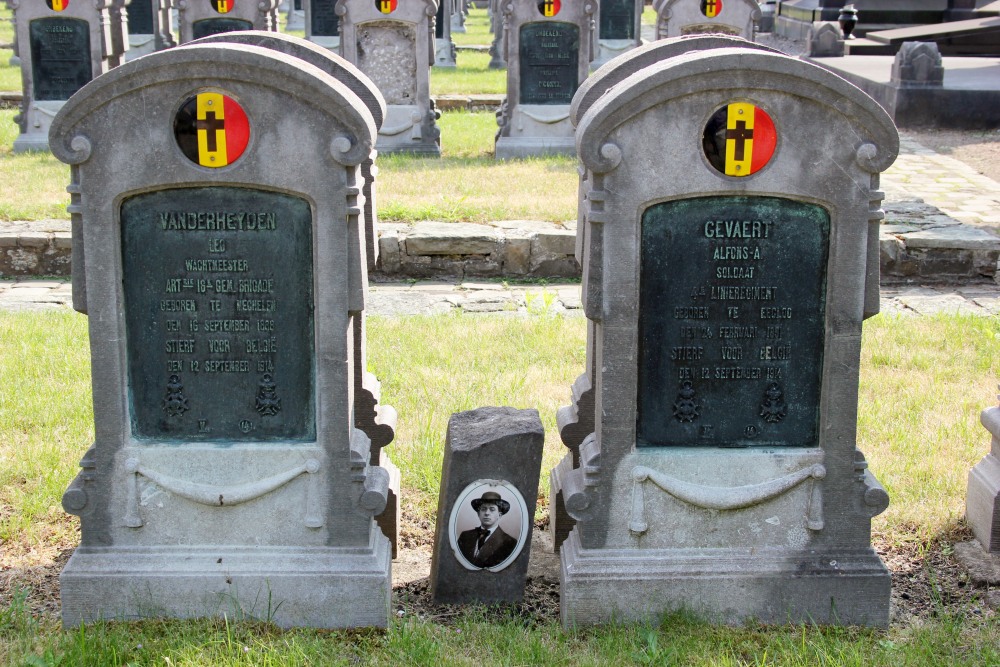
(924, 381)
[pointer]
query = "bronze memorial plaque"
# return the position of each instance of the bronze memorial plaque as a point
(732, 322)
(218, 287)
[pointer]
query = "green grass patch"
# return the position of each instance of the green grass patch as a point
(32, 185)
(467, 184)
(471, 75)
(477, 29)
(10, 76)
(923, 383)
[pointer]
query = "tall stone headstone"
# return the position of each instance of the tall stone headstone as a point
(377, 421)
(322, 23)
(201, 18)
(62, 46)
(444, 48)
(982, 505)
(496, 27)
(118, 32)
(726, 288)
(393, 43)
(618, 28)
(694, 17)
(548, 48)
(295, 19)
(576, 421)
(219, 253)
(149, 27)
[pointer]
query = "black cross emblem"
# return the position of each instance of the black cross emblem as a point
(740, 135)
(709, 7)
(549, 8)
(211, 125)
(220, 5)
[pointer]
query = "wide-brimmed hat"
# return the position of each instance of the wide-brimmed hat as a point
(494, 498)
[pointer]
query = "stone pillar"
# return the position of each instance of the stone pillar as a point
(982, 504)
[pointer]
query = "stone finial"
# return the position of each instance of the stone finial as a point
(825, 40)
(918, 64)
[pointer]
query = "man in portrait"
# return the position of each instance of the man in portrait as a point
(488, 545)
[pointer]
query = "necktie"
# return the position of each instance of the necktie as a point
(483, 534)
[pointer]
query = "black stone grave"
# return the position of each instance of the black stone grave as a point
(324, 19)
(60, 57)
(140, 17)
(207, 311)
(732, 303)
(617, 19)
(549, 53)
(217, 26)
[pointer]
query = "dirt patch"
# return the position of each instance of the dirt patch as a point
(927, 581)
(979, 150)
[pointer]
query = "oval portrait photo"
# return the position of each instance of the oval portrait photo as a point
(488, 525)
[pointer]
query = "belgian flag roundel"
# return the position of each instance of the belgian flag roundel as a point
(739, 139)
(549, 7)
(212, 129)
(223, 6)
(711, 8)
(57, 5)
(386, 6)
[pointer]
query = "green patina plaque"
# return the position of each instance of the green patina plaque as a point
(218, 287)
(732, 322)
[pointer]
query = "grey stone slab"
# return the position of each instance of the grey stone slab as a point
(965, 237)
(928, 304)
(206, 362)
(489, 482)
(451, 238)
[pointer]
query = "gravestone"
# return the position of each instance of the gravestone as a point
(219, 254)
(118, 33)
(201, 18)
(618, 28)
(62, 47)
(456, 17)
(149, 27)
(486, 507)
(548, 48)
(982, 505)
(693, 17)
(496, 27)
(323, 23)
(377, 421)
(826, 40)
(393, 43)
(576, 421)
(726, 289)
(444, 48)
(296, 16)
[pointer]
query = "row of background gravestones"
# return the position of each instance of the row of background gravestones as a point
(551, 47)
(223, 228)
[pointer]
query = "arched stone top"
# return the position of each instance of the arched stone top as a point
(740, 70)
(331, 63)
(220, 63)
(622, 66)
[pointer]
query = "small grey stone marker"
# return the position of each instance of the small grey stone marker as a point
(61, 49)
(224, 274)
(489, 482)
(675, 18)
(982, 505)
(726, 289)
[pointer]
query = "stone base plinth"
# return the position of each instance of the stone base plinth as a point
(321, 587)
(982, 504)
(508, 148)
(601, 586)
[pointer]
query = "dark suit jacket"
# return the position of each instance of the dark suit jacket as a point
(497, 549)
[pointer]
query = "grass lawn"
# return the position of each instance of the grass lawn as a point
(924, 381)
